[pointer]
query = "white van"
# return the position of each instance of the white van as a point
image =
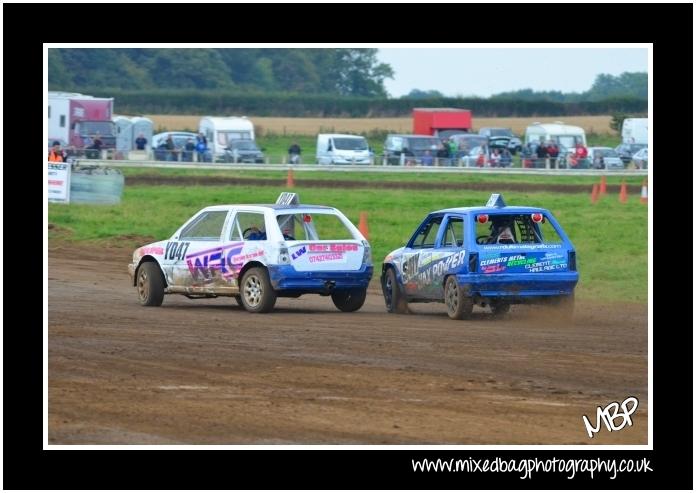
(220, 131)
(342, 149)
(634, 131)
(567, 136)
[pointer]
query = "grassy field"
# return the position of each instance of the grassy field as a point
(312, 126)
(610, 238)
(386, 176)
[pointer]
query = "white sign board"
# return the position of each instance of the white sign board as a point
(59, 182)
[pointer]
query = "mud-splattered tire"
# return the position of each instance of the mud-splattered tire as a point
(349, 300)
(258, 296)
(459, 305)
(500, 308)
(393, 297)
(150, 284)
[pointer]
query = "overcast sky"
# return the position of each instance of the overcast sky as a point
(486, 71)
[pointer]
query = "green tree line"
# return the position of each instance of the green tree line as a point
(340, 71)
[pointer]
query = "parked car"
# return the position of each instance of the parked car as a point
(626, 151)
(413, 147)
(491, 256)
(640, 158)
(243, 151)
(478, 156)
(180, 139)
(514, 143)
(257, 253)
(604, 158)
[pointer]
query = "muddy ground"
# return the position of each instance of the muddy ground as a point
(207, 372)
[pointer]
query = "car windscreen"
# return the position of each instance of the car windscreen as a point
(420, 143)
(500, 132)
(346, 144)
(91, 128)
(470, 141)
(244, 145)
(225, 137)
(608, 152)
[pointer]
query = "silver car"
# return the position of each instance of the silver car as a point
(604, 158)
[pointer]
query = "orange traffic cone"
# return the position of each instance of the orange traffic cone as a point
(623, 195)
(603, 186)
(595, 193)
(291, 179)
(363, 225)
(644, 192)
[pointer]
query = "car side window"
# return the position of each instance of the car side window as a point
(206, 227)
(427, 234)
(454, 233)
(248, 226)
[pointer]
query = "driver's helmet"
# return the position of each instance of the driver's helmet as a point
(256, 234)
(502, 233)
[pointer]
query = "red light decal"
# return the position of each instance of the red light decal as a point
(482, 218)
(307, 218)
(537, 217)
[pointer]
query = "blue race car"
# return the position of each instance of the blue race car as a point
(488, 256)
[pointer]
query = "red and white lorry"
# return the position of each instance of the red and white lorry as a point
(76, 119)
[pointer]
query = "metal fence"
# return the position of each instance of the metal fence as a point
(520, 161)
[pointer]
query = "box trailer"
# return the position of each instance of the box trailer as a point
(441, 122)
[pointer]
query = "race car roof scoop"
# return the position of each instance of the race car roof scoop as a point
(288, 198)
(496, 200)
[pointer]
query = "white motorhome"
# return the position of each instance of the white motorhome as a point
(220, 131)
(635, 131)
(568, 136)
(342, 149)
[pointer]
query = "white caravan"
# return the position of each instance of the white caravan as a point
(567, 136)
(221, 131)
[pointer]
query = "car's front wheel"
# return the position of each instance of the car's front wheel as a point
(349, 300)
(393, 297)
(150, 284)
(258, 296)
(459, 305)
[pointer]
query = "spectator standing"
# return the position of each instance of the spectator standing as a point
(453, 148)
(56, 154)
(140, 142)
(171, 148)
(201, 147)
(542, 154)
(505, 159)
(495, 158)
(552, 150)
(427, 159)
(294, 152)
(187, 155)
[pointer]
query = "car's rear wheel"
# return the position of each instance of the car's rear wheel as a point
(150, 284)
(459, 305)
(500, 308)
(393, 297)
(349, 300)
(258, 296)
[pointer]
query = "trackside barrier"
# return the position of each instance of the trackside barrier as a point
(361, 168)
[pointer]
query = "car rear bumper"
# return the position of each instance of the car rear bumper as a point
(285, 277)
(520, 285)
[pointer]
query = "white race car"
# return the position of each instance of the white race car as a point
(257, 253)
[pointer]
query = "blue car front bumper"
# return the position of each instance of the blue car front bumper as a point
(519, 285)
(286, 278)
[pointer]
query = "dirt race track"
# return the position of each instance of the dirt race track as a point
(207, 372)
